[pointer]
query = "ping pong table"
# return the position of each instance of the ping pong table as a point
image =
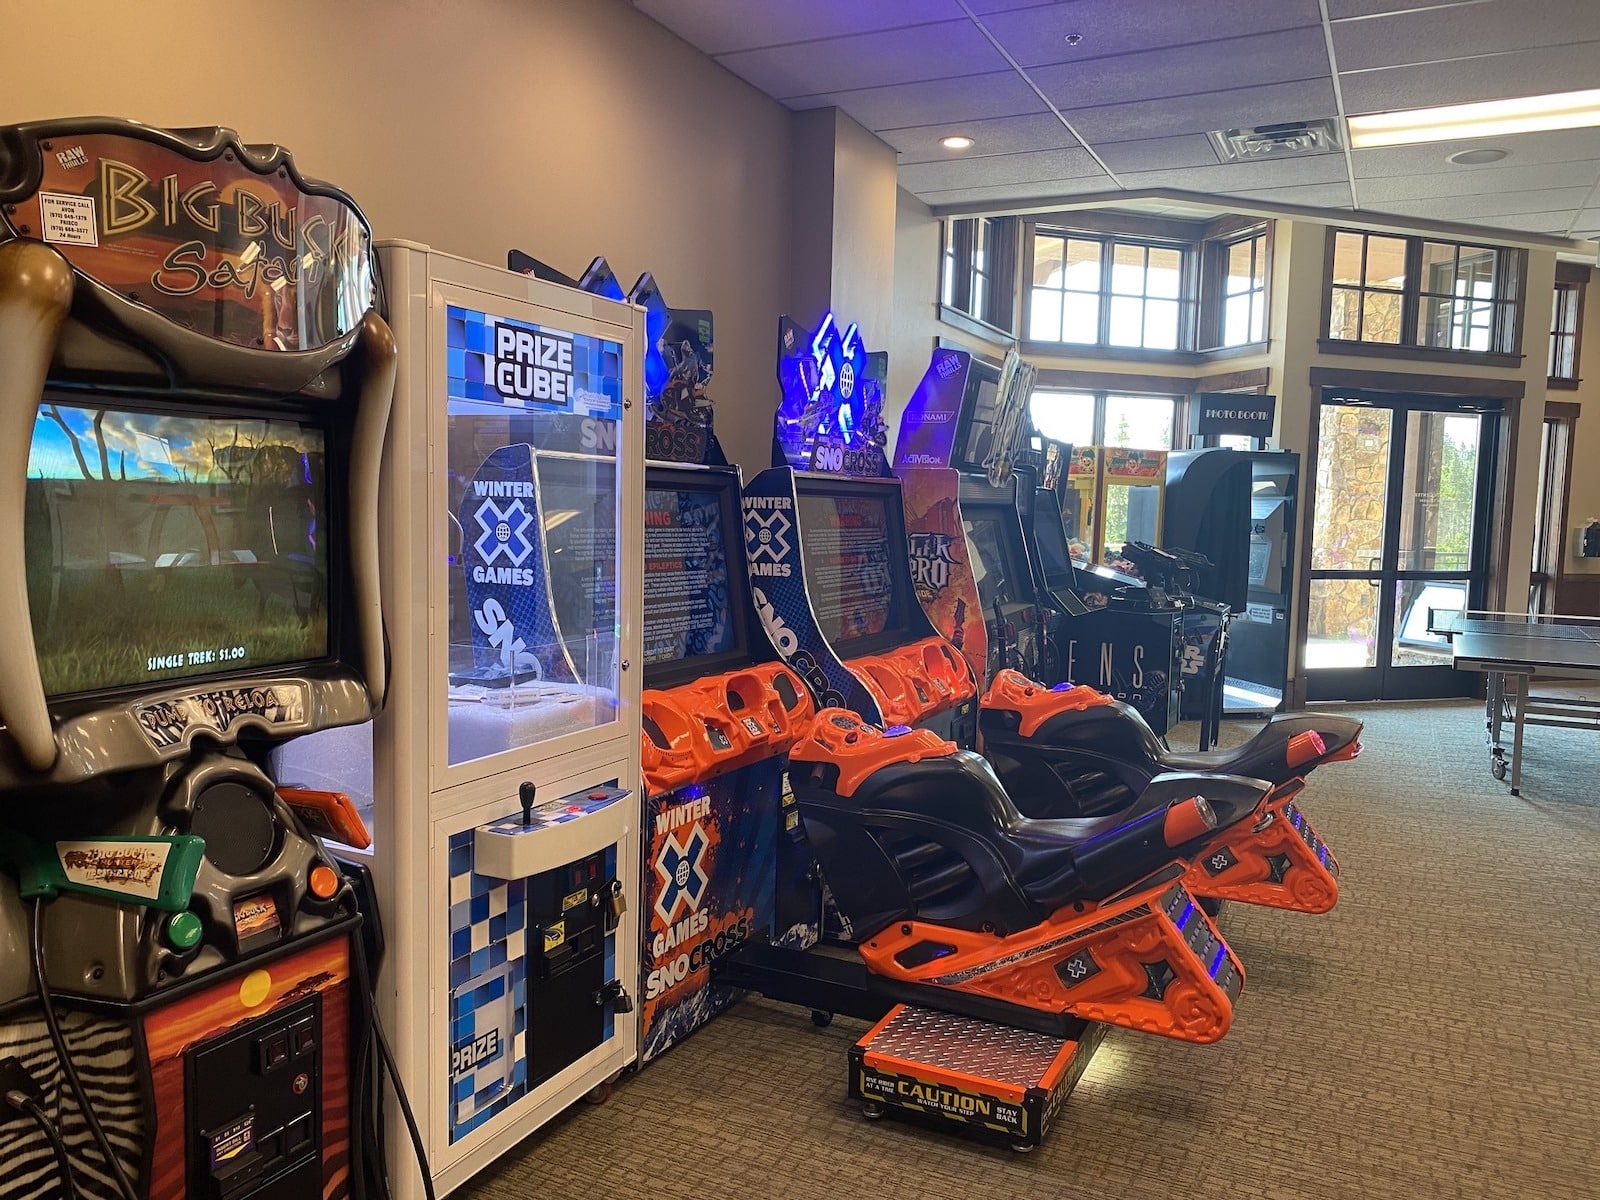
(1511, 653)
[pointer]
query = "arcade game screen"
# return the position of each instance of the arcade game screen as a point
(980, 427)
(846, 546)
(1050, 534)
(689, 609)
(1000, 572)
(162, 546)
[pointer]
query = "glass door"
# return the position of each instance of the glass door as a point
(1399, 535)
(1550, 517)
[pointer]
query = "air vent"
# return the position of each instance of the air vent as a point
(1289, 139)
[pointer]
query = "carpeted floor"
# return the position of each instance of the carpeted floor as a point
(1436, 1035)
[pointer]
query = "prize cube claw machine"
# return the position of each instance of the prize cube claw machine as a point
(506, 775)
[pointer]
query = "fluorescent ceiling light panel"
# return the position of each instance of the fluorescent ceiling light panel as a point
(1485, 118)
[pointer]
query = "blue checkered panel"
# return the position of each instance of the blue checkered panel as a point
(488, 992)
(491, 922)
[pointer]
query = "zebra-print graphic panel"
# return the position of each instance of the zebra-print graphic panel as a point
(102, 1050)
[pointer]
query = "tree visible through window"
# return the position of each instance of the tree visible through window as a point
(1409, 291)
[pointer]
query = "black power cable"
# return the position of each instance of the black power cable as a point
(387, 1057)
(25, 1103)
(68, 1071)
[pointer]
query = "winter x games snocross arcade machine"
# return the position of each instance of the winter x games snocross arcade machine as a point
(194, 382)
(825, 537)
(972, 923)
(721, 863)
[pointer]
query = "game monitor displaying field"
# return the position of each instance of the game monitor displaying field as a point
(694, 596)
(165, 546)
(849, 535)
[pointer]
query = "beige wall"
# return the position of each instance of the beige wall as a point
(916, 308)
(565, 129)
(841, 245)
(865, 187)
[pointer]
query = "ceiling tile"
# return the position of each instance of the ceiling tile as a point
(1299, 101)
(999, 168)
(1235, 177)
(1184, 70)
(1343, 9)
(1524, 149)
(1158, 153)
(937, 102)
(1310, 195)
(1438, 34)
(1520, 73)
(1500, 204)
(1063, 190)
(1035, 36)
(723, 26)
(1456, 181)
(1551, 222)
(1001, 135)
(992, 6)
(937, 51)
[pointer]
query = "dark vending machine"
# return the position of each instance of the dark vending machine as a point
(1238, 508)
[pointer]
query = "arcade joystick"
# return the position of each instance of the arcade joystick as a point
(567, 828)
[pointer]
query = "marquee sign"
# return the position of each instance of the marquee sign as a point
(226, 240)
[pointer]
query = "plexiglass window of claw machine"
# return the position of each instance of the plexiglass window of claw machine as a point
(532, 423)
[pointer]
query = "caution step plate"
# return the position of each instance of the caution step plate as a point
(990, 1081)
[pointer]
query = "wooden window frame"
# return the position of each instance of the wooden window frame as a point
(1146, 239)
(1213, 318)
(959, 256)
(1508, 304)
(1571, 280)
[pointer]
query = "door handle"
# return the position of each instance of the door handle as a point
(1372, 565)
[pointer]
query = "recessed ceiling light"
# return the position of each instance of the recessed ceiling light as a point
(1475, 158)
(1487, 118)
(1072, 39)
(957, 141)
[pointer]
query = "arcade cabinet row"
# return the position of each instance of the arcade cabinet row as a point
(391, 759)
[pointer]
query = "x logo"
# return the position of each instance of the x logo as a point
(767, 535)
(683, 878)
(504, 531)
